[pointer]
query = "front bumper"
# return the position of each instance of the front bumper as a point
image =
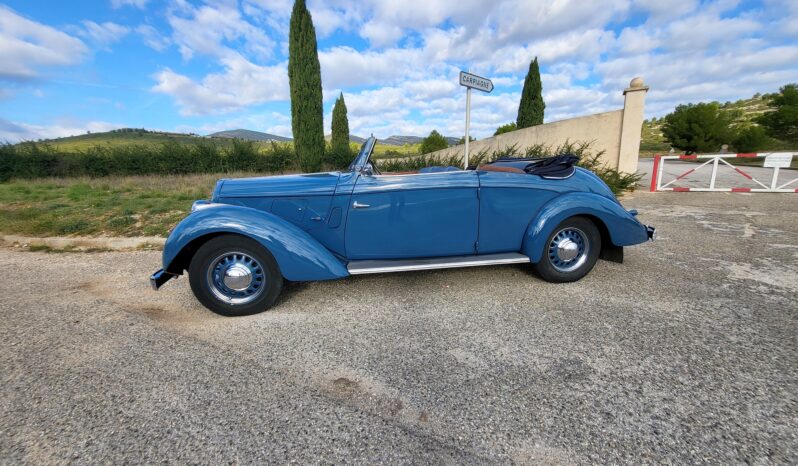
(159, 278)
(651, 232)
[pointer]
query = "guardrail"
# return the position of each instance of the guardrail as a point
(774, 160)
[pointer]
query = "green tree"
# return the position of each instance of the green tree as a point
(509, 127)
(339, 141)
(433, 142)
(782, 122)
(304, 79)
(700, 127)
(530, 110)
(750, 139)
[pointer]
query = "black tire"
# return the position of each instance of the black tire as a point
(553, 268)
(227, 249)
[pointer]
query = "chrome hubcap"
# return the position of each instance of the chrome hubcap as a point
(568, 249)
(236, 278)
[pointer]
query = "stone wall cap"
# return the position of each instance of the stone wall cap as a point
(636, 84)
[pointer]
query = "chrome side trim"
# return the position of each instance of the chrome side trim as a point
(406, 265)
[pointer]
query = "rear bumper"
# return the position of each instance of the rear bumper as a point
(651, 232)
(159, 278)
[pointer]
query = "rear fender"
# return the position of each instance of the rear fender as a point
(299, 255)
(621, 227)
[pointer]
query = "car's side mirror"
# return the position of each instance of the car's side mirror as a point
(367, 170)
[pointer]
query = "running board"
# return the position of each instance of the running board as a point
(406, 265)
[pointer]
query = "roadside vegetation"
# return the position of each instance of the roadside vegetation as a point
(761, 123)
(34, 160)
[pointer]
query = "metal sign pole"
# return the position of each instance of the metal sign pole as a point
(479, 83)
(468, 126)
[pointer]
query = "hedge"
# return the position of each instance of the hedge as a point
(35, 160)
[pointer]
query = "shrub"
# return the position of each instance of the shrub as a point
(782, 122)
(509, 127)
(277, 159)
(241, 156)
(750, 139)
(35, 160)
(698, 127)
(433, 142)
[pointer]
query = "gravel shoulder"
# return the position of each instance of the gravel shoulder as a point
(685, 353)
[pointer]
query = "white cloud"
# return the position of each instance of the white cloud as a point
(212, 29)
(103, 35)
(15, 132)
(28, 47)
(135, 3)
(347, 67)
(152, 38)
(660, 11)
(240, 85)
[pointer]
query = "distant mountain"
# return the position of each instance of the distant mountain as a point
(248, 135)
(352, 138)
(402, 140)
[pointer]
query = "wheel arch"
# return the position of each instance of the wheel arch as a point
(616, 226)
(183, 258)
(299, 256)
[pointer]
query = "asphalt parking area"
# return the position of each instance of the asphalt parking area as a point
(686, 353)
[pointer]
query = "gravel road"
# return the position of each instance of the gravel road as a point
(686, 353)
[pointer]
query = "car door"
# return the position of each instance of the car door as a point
(508, 203)
(413, 216)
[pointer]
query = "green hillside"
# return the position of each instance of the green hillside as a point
(123, 137)
(652, 142)
(136, 136)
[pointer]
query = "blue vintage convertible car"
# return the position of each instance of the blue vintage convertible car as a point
(254, 233)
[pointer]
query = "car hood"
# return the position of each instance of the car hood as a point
(312, 184)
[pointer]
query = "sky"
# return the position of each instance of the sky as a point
(67, 67)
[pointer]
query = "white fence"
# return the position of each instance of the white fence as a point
(774, 160)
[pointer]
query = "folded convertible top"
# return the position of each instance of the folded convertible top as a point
(557, 167)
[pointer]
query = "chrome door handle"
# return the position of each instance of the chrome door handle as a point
(358, 205)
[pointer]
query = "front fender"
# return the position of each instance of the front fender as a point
(299, 255)
(622, 227)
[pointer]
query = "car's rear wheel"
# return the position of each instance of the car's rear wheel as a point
(233, 275)
(570, 252)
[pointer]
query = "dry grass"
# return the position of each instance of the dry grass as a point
(116, 206)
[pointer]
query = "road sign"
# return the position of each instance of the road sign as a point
(472, 81)
(778, 160)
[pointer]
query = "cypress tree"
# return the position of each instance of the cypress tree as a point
(530, 110)
(304, 79)
(340, 133)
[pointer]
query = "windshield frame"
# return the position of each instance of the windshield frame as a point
(364, 155)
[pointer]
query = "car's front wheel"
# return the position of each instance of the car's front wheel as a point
(570, 252)
(233, 275)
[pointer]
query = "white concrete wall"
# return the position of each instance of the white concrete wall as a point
(617, 133)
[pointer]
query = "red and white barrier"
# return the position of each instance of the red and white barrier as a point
(774, 160)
